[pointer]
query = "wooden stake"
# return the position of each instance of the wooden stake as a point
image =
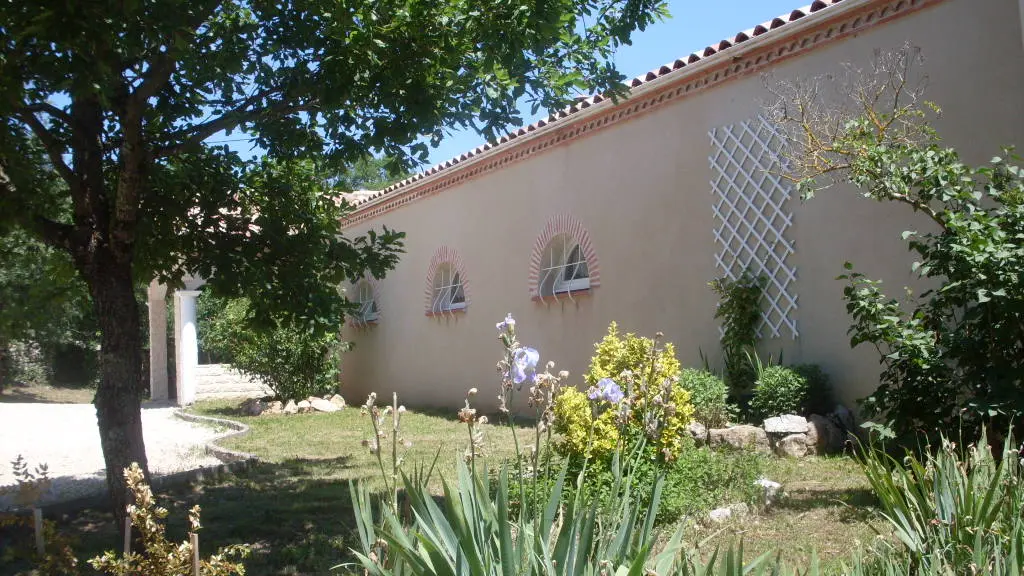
(127, 535)
(195, 553)
(37, 517)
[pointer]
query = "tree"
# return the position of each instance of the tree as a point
(953, 356)
(116, 103)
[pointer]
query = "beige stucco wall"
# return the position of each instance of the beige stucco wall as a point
(642, 189)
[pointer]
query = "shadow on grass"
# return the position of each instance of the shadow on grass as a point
(856, 505)
(60, 393)
(296, 515)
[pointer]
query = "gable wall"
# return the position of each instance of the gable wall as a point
(641, 188)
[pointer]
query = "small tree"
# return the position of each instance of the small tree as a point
(954, 355)
(294, 361)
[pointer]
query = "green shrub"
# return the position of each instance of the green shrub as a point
(819, 389)
(709, 396)
(779, 390)
(739, 309)
(293, 361)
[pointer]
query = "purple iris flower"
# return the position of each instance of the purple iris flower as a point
(524, 365)
(505, 325)
(607, 390)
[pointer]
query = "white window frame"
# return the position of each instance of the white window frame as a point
(561, 262)
(368, 309)
(448, 287)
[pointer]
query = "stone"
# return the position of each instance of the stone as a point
(842, 416)
(275, 407)
(698, 432)
(338, 401)
(720, 515)
(823, 436)
(740, 437)
(772, 490)
(253, 407)
(792, 446)
(321, 405)
(726, 513)
(787, 424)
(290, 407)
(310, 399)
(304, 406)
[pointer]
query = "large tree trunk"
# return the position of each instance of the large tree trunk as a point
(118, 406)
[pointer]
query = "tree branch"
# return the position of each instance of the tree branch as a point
(47, 108)
(52, 146)
(231, 119)
(53, 233)
(156, 76)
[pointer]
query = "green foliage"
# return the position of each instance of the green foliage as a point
(369, 173)
(699, 480)
(959, 510)
(779, 390)
(709, 396)
(295, 361)
(44, 311)
(955, 354)
(739, 309)
(819, 389)
(469, 531)
(162, 557)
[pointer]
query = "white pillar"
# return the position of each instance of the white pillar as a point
(157, 341)
(186, 344)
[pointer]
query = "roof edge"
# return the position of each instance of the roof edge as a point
(768, 34)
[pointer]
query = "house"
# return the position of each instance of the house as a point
(625, 211)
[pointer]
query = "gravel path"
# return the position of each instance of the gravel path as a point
(65, 437)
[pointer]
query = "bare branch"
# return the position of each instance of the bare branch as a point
(815, 114)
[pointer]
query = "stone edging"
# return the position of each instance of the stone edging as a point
(237, 429)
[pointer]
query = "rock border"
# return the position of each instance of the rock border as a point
(236, 429)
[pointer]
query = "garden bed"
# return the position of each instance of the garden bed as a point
(295, 508)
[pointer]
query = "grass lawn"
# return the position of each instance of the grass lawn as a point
(294, 507)
(48, 394)
(828, 508)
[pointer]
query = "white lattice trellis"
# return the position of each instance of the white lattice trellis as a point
(752, 215)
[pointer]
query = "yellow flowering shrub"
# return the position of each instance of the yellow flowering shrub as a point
(574, 420)
(615, 354)
(661, 419)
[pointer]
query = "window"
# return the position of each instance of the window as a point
(563, 260)
(563, 267)
(449, 293)
(367, 303)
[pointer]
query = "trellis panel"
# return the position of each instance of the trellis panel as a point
(752, 216)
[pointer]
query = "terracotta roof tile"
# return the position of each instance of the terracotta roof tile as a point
(585, 102)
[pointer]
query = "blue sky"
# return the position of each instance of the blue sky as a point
(694, 24)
